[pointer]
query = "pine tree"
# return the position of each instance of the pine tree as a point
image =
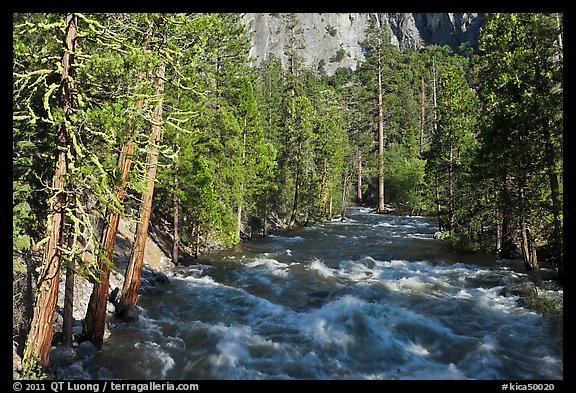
(41, 331)
(521, 96)
(378, 45)
(129, 294)
(450, 141)
(95, 319)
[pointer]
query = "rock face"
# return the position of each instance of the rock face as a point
(335, 37)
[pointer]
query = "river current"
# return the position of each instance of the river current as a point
(371, 297)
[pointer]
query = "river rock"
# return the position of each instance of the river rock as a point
(524, 290)
(113, 296)
(131, 314)
(85, 351)
(16, 365)
(161, 278)
(110, 308)
(74, 371)
(488, 280)
(149, 290)
(145, 273)
(438, 235)
(62, 356)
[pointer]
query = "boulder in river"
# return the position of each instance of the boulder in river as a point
(525, 291)
(161, 278)
(131, 314)
(85, 351)
(62, 356)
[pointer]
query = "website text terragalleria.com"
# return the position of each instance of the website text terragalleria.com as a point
(104, 386)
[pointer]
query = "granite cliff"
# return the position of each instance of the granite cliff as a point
(335, 37)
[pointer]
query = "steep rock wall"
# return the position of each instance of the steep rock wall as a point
(336, 37)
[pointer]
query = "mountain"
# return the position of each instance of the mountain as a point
(336, 37)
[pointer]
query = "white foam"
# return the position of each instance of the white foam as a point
(231, 344)
(327, 325)
(355, 271)
(413, 283)
(321, 268)
(204, 280)
(422, 236)
(287, 239)
(272, 265)
(266, 262)
(417, 349)
(157, 361)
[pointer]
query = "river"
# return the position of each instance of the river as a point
(371, 297)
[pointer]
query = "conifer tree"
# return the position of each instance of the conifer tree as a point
(41, 331)
(521, 96)
(129, 294)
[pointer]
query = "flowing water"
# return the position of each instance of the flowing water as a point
(372, 297)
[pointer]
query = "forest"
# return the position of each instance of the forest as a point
(165, 119)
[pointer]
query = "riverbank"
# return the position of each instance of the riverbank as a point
(67, 363)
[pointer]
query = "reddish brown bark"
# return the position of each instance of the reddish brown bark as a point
(39, 339)
(134, 269)
(95, 320)
(68, 318)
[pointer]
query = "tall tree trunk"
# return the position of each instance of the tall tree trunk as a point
(293, 216)
(344, 196)
(498, 220)
(175, 199)
(552, 171)
(134, 269)
(239, 213)
(559, 42)
(68, 317)
(239, 223)
(451, 185)
(197, 237)
(95, 320)
(508, 227)
(265, 222)
(434, 103)
(422, 117)
(381, 206)
(438, 205)
(552, 167)
(359, 183)
(39, 340)
(528, 248)
(68, 312)
(323, 193)
(175, 218)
